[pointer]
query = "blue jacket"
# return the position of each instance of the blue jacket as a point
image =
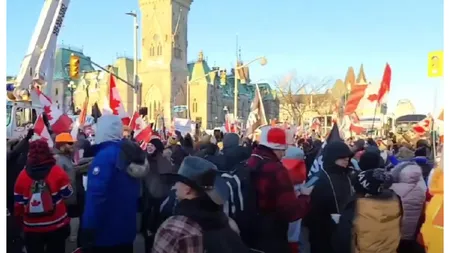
(111, 194)
(111, 199)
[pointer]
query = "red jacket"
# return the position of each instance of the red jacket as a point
(275, 189)
(59, 186)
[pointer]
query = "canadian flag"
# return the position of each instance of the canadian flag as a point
(423, 126)
(59, 121)
(115, 102)
(355, 126)
(144, 136)
(41, 131)
(137, 124)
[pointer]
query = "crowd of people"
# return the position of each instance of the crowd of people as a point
(220, 193)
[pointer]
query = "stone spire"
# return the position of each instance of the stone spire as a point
(361, 76)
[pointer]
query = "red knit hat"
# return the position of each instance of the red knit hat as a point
(39, 153)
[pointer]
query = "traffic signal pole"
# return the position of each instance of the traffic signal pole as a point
(106, 70)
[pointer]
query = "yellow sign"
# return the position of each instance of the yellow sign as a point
(436, 64)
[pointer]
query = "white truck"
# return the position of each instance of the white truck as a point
(36, 69)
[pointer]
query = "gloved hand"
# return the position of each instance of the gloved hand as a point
(87, 241)
(306, 190)
(29, 134)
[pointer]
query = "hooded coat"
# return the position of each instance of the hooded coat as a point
(410, 186)
(112, 192)
(325, 201)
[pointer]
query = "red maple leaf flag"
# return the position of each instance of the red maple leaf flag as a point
(356, 94)
(372, 97)
(355, 126)
(133, 120)
(59, 121)
(115, 102)
(41, 131)
(385, 85)
(423, 126)
(144, 136)
(139, 126)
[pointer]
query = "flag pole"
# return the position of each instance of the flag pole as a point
(373, 119)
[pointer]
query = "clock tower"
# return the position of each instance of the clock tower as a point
(163, 68)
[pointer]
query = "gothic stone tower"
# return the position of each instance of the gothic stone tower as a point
(163, 69)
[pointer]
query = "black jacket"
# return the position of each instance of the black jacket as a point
(16, 160)
(323, 204)
(218, 237)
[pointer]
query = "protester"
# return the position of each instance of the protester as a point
(17, 151)
(410, 186)
(370, 222)
(331, 193)
(370, 159)
(63, 154)
(155, 190)
(232, 153)
(199, 224)
(109, 218)
(38, 192)
(294, 162)
(277, 200)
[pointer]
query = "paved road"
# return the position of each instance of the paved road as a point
(138, 245)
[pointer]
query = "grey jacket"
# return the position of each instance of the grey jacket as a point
(65, 162)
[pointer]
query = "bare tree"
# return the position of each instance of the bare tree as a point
(298, 95)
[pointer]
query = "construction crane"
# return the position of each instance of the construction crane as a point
(36, 69)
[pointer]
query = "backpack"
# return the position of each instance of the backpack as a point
(41, 202)
(242, 205)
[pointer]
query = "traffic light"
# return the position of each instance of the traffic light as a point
(223, 77)
(74, 67)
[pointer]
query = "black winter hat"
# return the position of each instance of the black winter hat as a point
(369, 160)
(159, 146)
(372, 182)
(335, 150)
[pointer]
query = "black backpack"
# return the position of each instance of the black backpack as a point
(242, 205)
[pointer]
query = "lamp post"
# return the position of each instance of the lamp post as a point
(72, 88)
(262, 60)
(136, 83)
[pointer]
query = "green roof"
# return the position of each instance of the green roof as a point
(228, 88)
(62, 59)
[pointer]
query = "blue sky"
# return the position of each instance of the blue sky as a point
(318, 39)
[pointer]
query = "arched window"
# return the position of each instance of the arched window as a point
(159, 49)
(150, 111)
(194, 105)
(154, 109)
(152, 50)
(159, 107)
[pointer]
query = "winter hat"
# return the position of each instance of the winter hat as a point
(405, 153)
(335, 150)
(372, 182)
(369, 160)
(273, 138)
(39, 153)
(230, 140)
(157, 143)
(294, 153)
(294, 162)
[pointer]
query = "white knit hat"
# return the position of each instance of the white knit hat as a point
(273, 137)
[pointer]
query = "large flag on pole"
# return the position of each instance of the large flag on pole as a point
(318, 162)
(257, 115)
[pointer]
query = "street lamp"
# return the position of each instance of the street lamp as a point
(136, 83)
(262, 61)
(72, 86)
